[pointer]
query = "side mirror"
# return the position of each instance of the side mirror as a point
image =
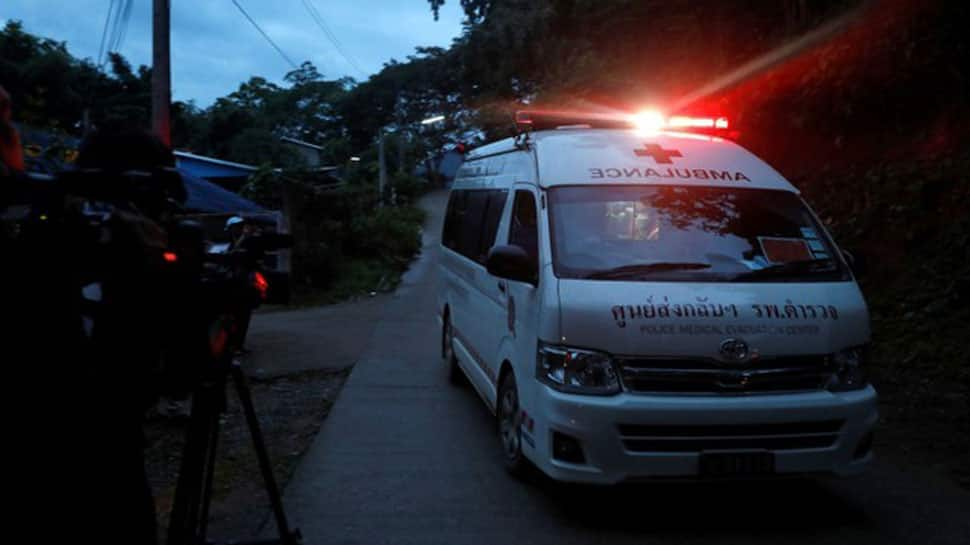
(512, 263)
(856, 263)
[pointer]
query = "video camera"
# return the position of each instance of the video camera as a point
(113, 294)
(121, 245)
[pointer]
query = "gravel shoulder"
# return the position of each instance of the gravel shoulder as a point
(291, 409)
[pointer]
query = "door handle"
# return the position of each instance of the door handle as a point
(501, 287)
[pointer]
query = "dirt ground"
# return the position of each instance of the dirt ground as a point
(291, 409)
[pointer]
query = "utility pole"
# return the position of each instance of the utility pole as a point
(161, 72)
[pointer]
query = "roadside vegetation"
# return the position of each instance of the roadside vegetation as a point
(346, 242)
(366, 254)
(871, 122)
(346, 245)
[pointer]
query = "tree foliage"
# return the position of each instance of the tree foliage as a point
(872, 123)
(53, 89)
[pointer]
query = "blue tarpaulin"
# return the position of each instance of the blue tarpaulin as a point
(210, 198)
(47, 153)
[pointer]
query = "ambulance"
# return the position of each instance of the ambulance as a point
(640, 298)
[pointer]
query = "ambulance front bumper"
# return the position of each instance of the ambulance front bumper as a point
(631, 437)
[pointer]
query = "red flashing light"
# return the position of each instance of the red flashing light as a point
(170, 257)
(685, 122)
(523, 118)
(260, 283)
(646, 121)
(649, 121)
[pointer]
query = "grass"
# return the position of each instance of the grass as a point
(371, 253)
(355, 277)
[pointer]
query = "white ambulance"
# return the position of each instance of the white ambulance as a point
(651, 303)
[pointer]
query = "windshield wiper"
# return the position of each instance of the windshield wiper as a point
(640, 269)
(807, 266)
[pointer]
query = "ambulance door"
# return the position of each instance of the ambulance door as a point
(489, 312)
(521, 314)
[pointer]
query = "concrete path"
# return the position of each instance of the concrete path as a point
(405, 458)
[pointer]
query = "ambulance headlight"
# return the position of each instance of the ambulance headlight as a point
(848, 370)
(577, 371)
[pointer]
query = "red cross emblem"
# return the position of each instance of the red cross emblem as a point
(660, 155)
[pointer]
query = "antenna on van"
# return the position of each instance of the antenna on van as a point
(523, 129)
(523, 122)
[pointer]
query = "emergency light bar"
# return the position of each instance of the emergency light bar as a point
(646, 121)
(698, 122)
(527, 120)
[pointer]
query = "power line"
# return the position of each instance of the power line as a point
(121, 25)
(315, 15)
(268, 39)
(115, 29)
(124, 25)
(318, 18)
(104, 32)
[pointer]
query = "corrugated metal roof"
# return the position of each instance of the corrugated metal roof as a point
(211, 160)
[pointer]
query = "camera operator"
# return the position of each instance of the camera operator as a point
(244, 262)
(91, 312)
(129, 330)
(44, 347)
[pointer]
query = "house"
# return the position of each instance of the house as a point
(227, 174)
(310, 153)
(444, 165)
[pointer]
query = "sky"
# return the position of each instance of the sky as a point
(214, 47)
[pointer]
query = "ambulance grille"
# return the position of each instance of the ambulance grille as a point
(774, 436)
(703, 376)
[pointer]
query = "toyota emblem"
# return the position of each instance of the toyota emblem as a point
(734, 350)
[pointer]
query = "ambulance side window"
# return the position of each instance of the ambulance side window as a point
(523, 231)
(472, 220)
(457, 205)
(470, 234)
(493, 215)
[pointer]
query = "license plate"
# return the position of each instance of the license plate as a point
(729, 464)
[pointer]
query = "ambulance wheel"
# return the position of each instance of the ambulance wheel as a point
(455, 374)
(509, 427)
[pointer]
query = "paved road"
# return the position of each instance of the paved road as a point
(406, 458)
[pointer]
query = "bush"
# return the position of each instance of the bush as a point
(319, 263)
(408, 188)
(262, 187)
(391, 234)
(343, 242)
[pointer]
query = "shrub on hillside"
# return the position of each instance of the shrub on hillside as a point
(408, 188)
(392, 234)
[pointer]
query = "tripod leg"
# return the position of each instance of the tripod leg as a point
(185, 518)
(210, 469)
(182, 519)
(287, 537)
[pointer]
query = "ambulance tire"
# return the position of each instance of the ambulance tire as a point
(510, 432)
(455, 375)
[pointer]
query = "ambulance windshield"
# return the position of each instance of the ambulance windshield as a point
(678, 233)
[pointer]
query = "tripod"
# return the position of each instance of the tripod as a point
(193, 493)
